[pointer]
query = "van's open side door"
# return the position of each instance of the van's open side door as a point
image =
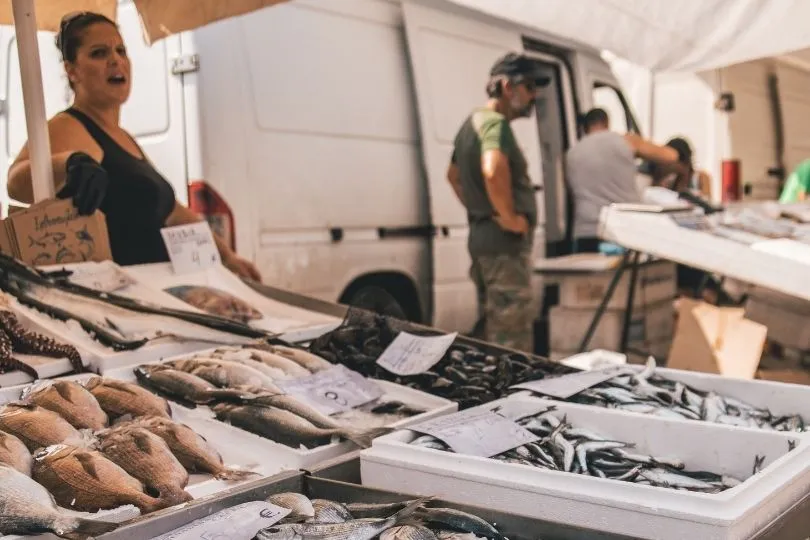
(452, 51)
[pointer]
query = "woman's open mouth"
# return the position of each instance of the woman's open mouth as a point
(117, 79)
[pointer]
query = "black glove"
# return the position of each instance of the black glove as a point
(86, 183)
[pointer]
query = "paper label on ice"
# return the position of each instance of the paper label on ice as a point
(334, 390)
(565, 386)
(101, 277)
(191, 247)
(410, 355)
(477, 432)
(241, 521)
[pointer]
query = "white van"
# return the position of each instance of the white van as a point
(316, 135)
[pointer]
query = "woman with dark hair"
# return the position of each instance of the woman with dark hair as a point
(96, 163)
(681, 176)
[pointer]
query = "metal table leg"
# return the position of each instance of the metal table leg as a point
(605, 300)
(628, 310)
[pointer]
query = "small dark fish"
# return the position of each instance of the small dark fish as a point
(456, 520)
(375, 510)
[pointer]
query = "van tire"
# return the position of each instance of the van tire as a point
(378, 300)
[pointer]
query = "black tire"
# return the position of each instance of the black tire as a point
(378, 300)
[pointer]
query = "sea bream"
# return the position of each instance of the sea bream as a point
(26, 508)
(37, 427)
(70, 400)
(190, 448)
(120, 398)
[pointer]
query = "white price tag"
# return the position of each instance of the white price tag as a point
(104, 277)
(565, 386)
(334, 390)
(477, 432)
(191, 247)
(412, 355)
(241, 522)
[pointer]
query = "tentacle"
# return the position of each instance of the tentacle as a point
(24, 341)
(8, 362)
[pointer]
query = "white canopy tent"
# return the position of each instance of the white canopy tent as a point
(667, 35)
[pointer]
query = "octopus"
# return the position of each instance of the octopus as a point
(15, 338)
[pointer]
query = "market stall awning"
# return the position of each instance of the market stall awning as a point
(668, 35)
(160, 17)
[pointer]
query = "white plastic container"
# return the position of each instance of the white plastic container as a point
(293, 323)
(251, 450)
(614, 506)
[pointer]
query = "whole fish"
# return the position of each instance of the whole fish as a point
(300, 506)
(224, 373)
(14, 453)
(408, 532)
(86, 481)
(190, 448)
(375, 510)
(456, 520)
(35, 426)
(26, 508)
(147, 458)
(290, 367)
(307, 360)
(272, 372)
(330, 512)
(288, 428)
(119, 398)
(71, 401)
(184, 386)
(293, 405)
(358, 529)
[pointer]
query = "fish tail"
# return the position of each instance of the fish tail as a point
(234, 475)
(175, 494)
(81, 529)
(406, 512)
(364, 438)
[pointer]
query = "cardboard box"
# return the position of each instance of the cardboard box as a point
(53, 232)
(716, 340)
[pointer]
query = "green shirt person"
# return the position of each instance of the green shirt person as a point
(798, 184)
(489, 175)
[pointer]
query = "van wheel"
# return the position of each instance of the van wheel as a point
(378, 300)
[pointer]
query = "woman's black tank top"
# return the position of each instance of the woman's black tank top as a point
(137, 203)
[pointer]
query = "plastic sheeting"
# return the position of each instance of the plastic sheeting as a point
(667, 35)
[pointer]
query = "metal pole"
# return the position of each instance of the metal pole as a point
(631, 294)
(39, 146)
(614, 282)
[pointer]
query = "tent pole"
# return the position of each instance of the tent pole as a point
(25, 25)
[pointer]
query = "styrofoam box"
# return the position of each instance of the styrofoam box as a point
(293, 323)
(655, 282)
(778, 397)
(567, 326)
(616, 506)
(247, 448)
(100, 357)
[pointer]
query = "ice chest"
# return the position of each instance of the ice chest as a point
(615, 506)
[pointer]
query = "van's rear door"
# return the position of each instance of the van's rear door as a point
(452, 51)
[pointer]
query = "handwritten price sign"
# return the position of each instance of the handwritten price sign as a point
(334, 390)
(191, 247)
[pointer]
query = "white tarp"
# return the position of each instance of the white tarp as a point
(668, 35)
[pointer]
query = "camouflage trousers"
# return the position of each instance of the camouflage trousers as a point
(505, 300)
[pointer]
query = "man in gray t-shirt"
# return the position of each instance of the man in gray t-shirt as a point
(601, 170)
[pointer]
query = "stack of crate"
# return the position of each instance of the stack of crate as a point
(652, 322)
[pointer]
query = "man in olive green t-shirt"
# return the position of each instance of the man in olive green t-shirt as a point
(489, 175)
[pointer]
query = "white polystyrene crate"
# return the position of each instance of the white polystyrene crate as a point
(778, 397)
(278, 455)
(616, 506)
(291, 322)
(99, 357)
